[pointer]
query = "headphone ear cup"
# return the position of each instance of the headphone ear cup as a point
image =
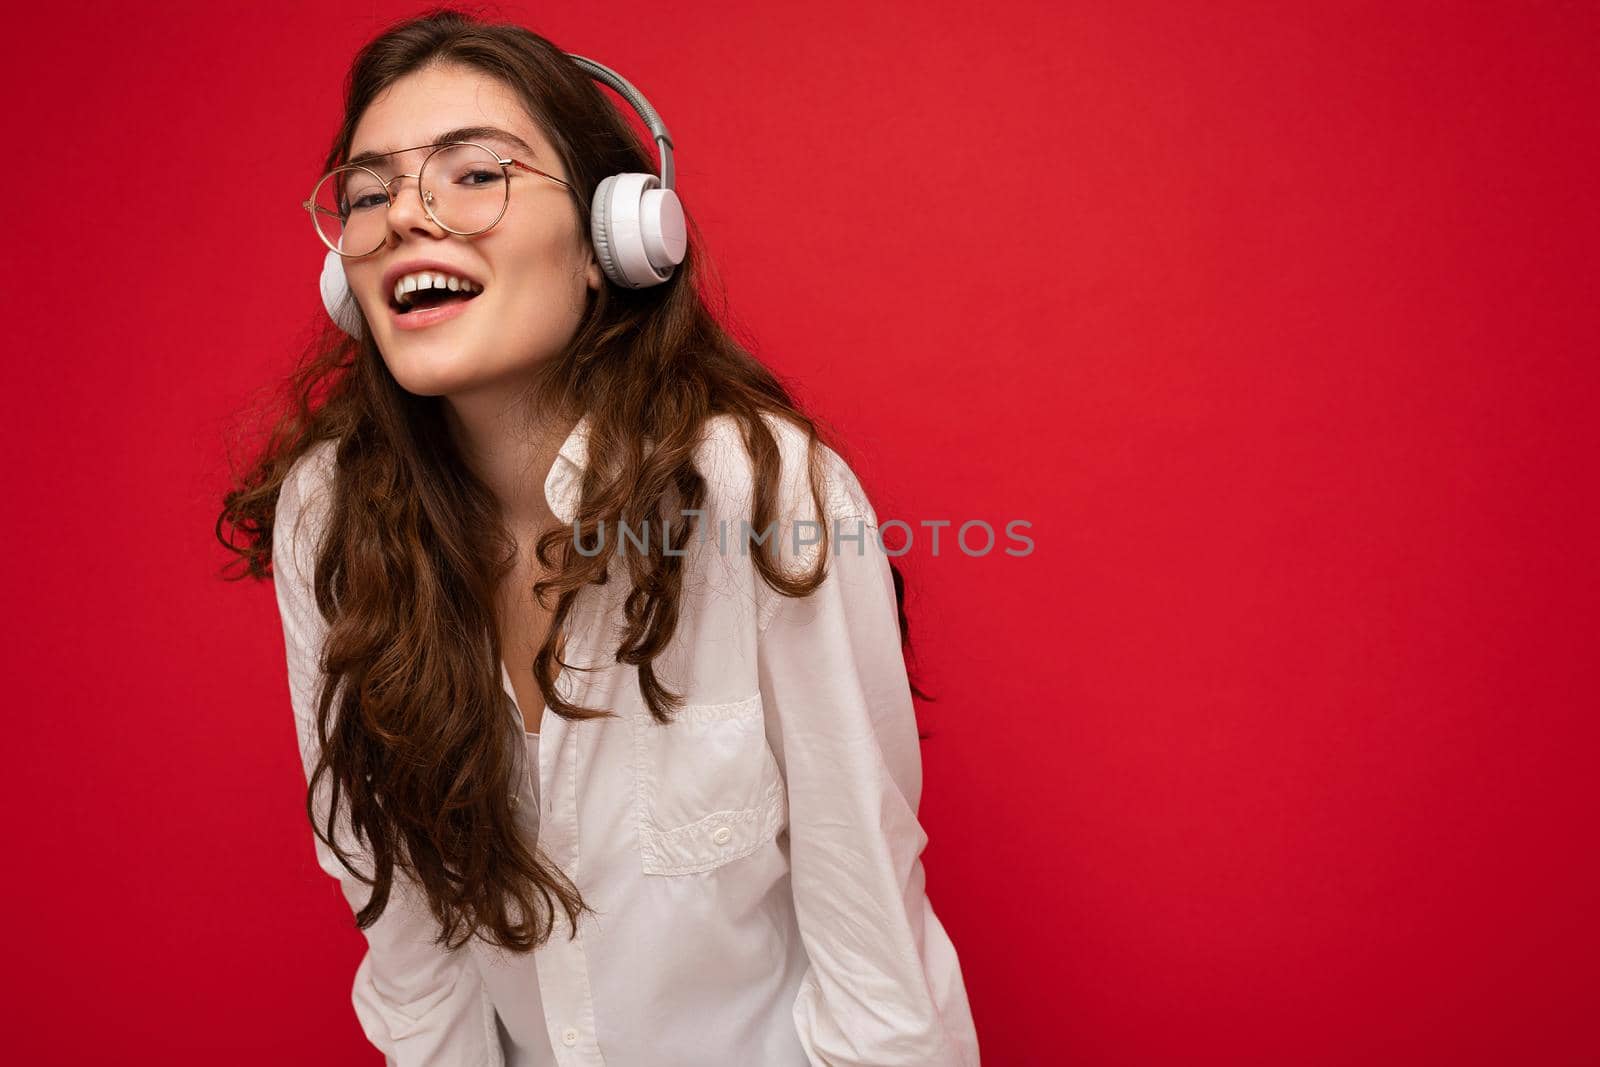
(337, 299)
(600, 232)
(662, 228)
(637, 230)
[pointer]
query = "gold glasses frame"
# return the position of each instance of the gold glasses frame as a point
(506, 163)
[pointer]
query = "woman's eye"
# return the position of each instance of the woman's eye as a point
(482, 177)
(370, 200)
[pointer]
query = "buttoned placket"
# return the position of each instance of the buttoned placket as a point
(562, 962)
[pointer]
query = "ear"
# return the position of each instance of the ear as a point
(592, 273)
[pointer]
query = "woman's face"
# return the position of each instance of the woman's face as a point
(534, 265)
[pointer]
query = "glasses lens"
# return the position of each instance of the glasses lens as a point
(468, 186)
(351, 210)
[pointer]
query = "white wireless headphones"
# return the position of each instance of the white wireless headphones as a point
(635, 220)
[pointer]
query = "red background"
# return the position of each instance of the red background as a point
(1277, 322)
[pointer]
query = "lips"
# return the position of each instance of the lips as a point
(423, 317)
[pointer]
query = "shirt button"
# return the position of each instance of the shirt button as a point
(722, 835)
(569, 1036)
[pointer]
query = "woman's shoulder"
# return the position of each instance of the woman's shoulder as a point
(303, 502)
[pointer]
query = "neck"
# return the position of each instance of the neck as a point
(510, 440)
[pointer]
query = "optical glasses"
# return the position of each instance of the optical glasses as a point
(465, 188)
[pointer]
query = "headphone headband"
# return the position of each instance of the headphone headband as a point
(636, 100)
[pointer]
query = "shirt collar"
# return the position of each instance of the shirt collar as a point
(565, 481)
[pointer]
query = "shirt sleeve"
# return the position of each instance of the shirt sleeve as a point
(883, 987)
(417, 1002)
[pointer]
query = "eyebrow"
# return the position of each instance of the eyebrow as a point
(460, 133)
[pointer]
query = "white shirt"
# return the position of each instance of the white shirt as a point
(755, 865)
(536, 1052)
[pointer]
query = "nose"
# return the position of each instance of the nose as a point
(406, 211)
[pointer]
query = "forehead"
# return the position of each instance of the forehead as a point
(445, 103)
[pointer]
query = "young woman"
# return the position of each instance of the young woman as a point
(595, 658)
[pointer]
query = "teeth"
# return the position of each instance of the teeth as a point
(410, 283)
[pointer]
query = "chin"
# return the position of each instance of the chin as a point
(453, 373)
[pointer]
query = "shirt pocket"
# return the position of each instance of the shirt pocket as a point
(708, 789)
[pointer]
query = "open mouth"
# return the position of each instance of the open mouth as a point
(433, 295)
